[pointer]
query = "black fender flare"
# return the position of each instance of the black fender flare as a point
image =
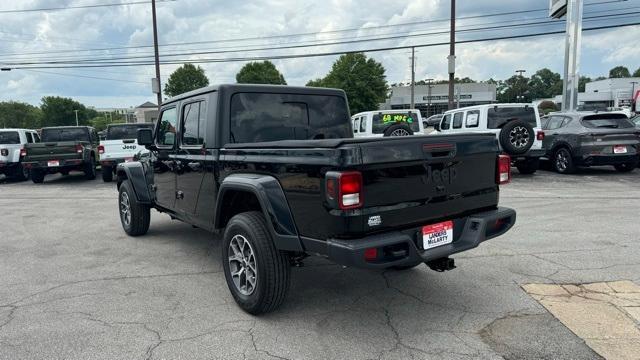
(273, 203)
(561, 144)
(135, 173)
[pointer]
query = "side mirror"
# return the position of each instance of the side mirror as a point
(145, 137)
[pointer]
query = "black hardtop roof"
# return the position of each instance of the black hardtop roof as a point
(590, 114)
(231, 88)
(129, 124)
(67, 127)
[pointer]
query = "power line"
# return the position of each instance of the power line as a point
(309, 55)
(115, 60)
(79, 7)
(84, 76)
(307, 33)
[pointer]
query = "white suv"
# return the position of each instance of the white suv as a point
(387, 123)
(120, 145)
(12, 151)
(516, 126)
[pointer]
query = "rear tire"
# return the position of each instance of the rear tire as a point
(90, 169)
(134, 217)
(107, 173)
(528, 166)
(248, 249)
(562, 161)
(37, 176)
(21, 173)
(626, 167)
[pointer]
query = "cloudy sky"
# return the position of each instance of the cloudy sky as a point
(36, 44)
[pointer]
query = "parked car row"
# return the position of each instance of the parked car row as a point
(26, 154)
(566, 140)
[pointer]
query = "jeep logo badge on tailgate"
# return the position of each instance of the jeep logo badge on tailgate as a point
(444, 176)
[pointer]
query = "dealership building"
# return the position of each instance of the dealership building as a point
(615, 92)
(434, 99)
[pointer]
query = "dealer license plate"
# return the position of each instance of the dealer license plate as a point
(619, 149)
(53, 163)
(435, 235)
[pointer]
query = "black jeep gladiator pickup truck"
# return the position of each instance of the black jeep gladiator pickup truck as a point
(276, 169)
(63, 149)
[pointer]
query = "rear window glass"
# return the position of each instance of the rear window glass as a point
(66, 134)
(9, 137)
(382, 121)
(258, 117)
(497, 116)
(125, 132)
(607, 122)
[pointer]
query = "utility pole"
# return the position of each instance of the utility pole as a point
(76, 111)
(518, 94)
(413, 77)
(572, 55)
(452, 53)
(633, 94)
(157, 57)
(428, 96)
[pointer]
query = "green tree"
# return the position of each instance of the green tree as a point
(636, 73)
(600, 78)
(547, 106)
(363, 79)
(619, 72)
(582, 83)
(186, 78)
(544, 84)
(264, 72)
(15, 114)
(59, 111)
(514, 89)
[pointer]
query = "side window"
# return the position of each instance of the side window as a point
(446, 122)
(166, 135)
(565, 122)
(29, 137)
(363, 123)
(554, 122)
(356, 124)
(191, 124)
(36, 137)
(457, 120)
(472, 118)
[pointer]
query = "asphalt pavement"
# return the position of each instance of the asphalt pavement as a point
(74, 286)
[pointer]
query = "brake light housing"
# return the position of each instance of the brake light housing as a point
(343, 189)
(101, 149)
(503, 169)
(79, 148)
(540, 135)
(23, 152)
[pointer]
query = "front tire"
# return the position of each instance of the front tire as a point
(257, 274)
(37, 176)
(107, 173)
(90, 169)
(626, 167)
(563, 161)
(134, 217)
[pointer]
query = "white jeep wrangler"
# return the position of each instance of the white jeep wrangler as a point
(382, 123)
(120, 145)
(516, 126)
(12, 151)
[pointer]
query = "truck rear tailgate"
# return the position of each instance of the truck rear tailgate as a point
(422, 179)
(52, 150)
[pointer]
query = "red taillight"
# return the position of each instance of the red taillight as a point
(540, 135)
(79, 148)
(370, 254)
(344, 189)
(100, 149)
(23, 152)
(350, 195)
(503, 171)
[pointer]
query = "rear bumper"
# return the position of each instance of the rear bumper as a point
(7, 167)
(63, 165)
(531, 154)
(112, 162)
(404, 247)
(597, 160)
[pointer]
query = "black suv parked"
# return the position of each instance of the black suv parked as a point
(276, 169)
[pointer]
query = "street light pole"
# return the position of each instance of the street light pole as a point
(452, 53)
(155, 50)
(633, 93)
(518, 95)
(76, 111)
(413, 76)
(428, 96)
